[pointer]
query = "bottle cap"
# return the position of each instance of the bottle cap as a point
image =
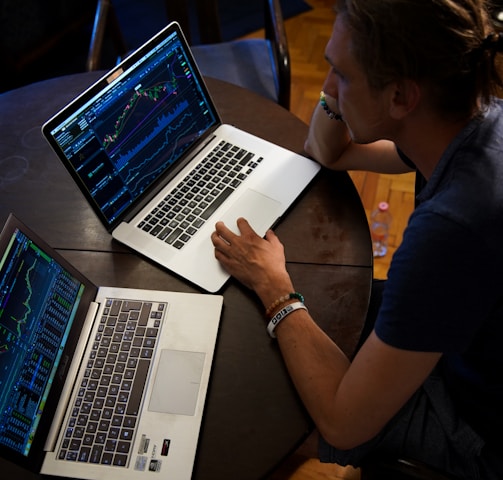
(383, 206)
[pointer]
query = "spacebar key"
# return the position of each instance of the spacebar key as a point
(216, 203)
(137, 390)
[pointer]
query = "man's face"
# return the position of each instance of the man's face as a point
(364, 110)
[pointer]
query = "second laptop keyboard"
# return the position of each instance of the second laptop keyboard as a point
(186, 208)
(103, 420)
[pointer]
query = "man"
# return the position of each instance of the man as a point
(411, 86)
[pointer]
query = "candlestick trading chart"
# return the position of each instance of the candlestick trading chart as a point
(128, 137)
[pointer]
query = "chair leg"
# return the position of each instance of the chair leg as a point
(104, 17)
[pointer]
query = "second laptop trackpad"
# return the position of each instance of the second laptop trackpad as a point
(177, 382)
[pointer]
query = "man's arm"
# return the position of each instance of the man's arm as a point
(350, 402)
(330, 144)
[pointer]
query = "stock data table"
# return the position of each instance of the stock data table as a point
(253, 416)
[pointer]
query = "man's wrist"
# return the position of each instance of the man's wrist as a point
(281, 315)
(281, 301)
(330, 109)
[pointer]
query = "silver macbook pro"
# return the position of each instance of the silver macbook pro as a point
(146, 146)
(98, 382)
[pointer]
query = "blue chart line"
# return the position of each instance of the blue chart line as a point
(173, 144)
(163, 122)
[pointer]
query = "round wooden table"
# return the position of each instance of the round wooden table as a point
(253, 416)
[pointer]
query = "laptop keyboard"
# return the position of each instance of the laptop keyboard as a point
(177, 218)
(104, 416)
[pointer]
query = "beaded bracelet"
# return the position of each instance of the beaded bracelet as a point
(284, 312)
(281, 300)
(331, 114)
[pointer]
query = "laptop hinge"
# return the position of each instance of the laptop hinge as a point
(71, 378)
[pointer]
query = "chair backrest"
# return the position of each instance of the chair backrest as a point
(206, 18)
(200, 22)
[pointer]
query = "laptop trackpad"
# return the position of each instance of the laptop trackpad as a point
(260, 211)
(177, 382)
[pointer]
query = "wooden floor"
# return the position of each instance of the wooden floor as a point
(307, 36)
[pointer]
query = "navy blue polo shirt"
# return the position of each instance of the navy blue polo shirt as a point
(445, 284)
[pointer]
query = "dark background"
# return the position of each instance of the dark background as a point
(49, 38)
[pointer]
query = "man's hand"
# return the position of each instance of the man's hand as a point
(258, 263)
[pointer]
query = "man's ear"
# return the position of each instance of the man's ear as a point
(404, 98)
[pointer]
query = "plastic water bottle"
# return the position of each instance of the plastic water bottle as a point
(380, 221)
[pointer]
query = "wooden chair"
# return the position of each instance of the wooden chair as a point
(261, 65)
(105, 21)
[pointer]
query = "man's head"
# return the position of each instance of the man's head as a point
(443, 45)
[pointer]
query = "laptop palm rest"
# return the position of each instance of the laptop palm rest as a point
(177, 382)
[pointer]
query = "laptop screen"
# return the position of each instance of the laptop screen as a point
(38, 303)
(44, 302)
(135, 125)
